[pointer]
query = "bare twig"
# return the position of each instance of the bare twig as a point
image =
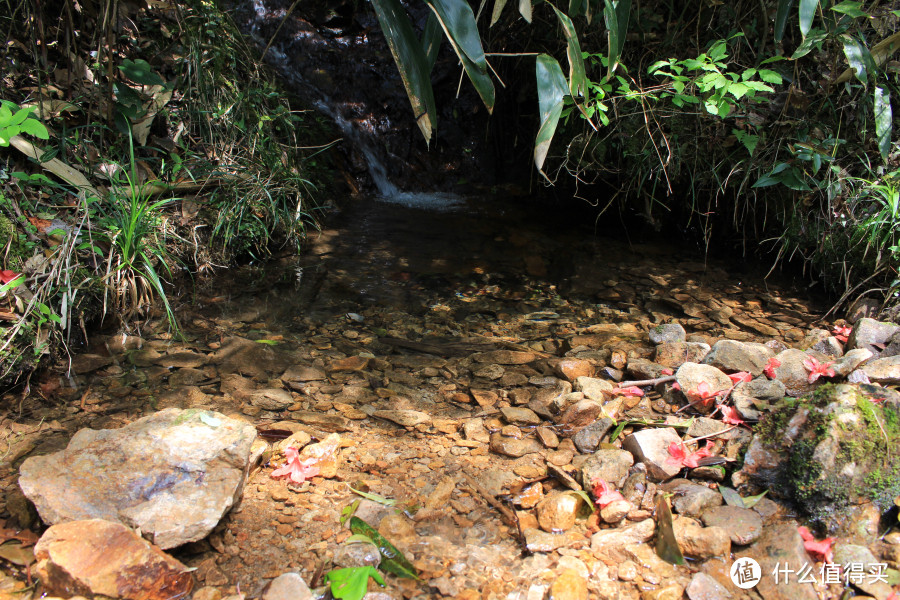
(507, 514)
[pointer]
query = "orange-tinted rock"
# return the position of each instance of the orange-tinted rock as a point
(571, 369)
(97, 557)
(351, 363)
(485, 398)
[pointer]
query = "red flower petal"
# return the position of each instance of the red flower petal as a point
(631, 390)
(730, 415)
(820, 550)
(740, 376)
(773, 364)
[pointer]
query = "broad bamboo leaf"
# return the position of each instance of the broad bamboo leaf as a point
(577, 7)
(807, 13)
(552, 89)
(458, 22)
(731, 497)
(616, 14)
(431, 40)
(392, 560)
(498, 10)
(411, 62)
(525, 9)
(883, 121)
(751, 501)
(666, 544)
(880, 52)
(577, 77)
(781, 17)
(848, 7)
(858, 57)
(375, 497)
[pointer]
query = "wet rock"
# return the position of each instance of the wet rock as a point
(733, 356)
(587, 439)
(505, 357)
(701, 542)
(780, 545)
(512, 447)
(692, 499)
(288, 586)
(581, 413)
(404, 418)
(675, 354)
(606, 542)
(704, 426)
(704, 587)
(323, 422)
(593, 388)
(883, 370)
(570, 585)
(324, 455)
(557, 512)
(351, 364)
(271, 399)
(641, 368)
(357, 554)
(173, 474)
(485, 398)
(610, 465)
(88, 363)
(181, 360)
(667, 333)
(851, 361)
(742, 524)
(871, 334)
(651, 447)
(813, 336)
(560, 403)
(474, 429)
(571, 369)
(537, 540)
(829, 347)
(98, 557)
(297, 376)
(492, 372)
(400, 530)
(690, 375)
(520, 416)
(547, 437)
(245, 357)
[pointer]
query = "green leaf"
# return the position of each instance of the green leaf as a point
(781, 17)
(616, 14)
(848, 7)
(807, 13)
(411, 62)
(731, 497)
(770, 76)
(584, 496)
(375, 497)
(552, 88)
(525, 9)
(139, 71)
(814, 38)
(738, 90)
(458, 21)
(351, 583)
(498, 10)
(749, 140)
(856, 56)
(751, 501)
(392, 560)
(348, 511)
(268, 342)
(666, 544)
(431, 40)
(883, 121)
(758, 86)
(577, 77)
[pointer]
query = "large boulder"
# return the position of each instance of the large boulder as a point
(173, 475)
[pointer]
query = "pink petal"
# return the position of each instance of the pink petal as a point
(730, 415)
(628, 391)
(737, 378)
(667, 371)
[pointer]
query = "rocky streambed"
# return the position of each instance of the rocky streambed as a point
(515, 424)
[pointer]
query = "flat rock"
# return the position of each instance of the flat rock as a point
(349, 364)
(780, 545)
(692, 499)
(793, 374)
(641, 368)
(537, 540)
(569, 585)
(747, 395)
(733, 356)
(181, 360)
(324, 422)
(610, 465)
(593, 388)
(288, 586)
(705, 587)
(675, 354)
(404, 418)
(571, 369)
(869, 332)
(514, 447)
(580, 414)
(742, 524)
(505, 357)
(883, 370)
(852, 554)
(88, 363)
(103, 558)
(651, 447)
(850, 361)
(520, 416)
(667, 333)
(245, 357)
(297, 375)
(272, 399)
(173, 474)
(606, 542)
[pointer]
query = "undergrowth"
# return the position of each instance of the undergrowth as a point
(138, 146)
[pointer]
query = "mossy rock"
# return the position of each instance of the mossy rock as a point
(832, 451)
(15, 258)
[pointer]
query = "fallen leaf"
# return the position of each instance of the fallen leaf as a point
(820, 550)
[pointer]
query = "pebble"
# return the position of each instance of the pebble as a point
(742, 524)
(569, 585)
(557, 512)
